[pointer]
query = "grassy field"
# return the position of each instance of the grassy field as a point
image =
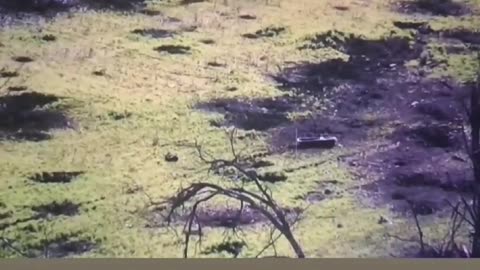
(129, 105)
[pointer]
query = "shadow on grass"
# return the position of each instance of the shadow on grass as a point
(27, 116)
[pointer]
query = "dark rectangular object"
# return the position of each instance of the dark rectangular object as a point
(316, 142)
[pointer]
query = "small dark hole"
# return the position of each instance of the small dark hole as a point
(231, 88)
(215, 64)
(49, 38)
(250, 36)
(247, 17)
(173, 49)
(22, 59)
(8, 74)
(150, 12)
(17, 88)
(101, 72)
(207, 41)
(341, 8)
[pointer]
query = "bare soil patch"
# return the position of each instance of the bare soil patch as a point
(19, 88)
(207, 41)
(247, 17)
(371, 92)
(261, 115)
(466, 36)
(26, 116)
(422, 26)
(434, 7)
(22, 59)
(439, 136)
(432, 176)
(173, 49)
(8, 74)
(218, 217)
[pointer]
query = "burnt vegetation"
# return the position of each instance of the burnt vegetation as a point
(420, 166)
(45, 6)
(464, 205)
(428, 129)
(425, 116)
(434, 7)
(29, 116)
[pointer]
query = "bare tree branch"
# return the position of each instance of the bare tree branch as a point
(419, 228)
(261, 201)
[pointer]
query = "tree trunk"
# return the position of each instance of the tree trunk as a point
(476, 227)
(296, 247)
(475, 148)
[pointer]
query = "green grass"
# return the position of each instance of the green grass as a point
(159, 91)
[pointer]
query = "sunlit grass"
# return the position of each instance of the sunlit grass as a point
(159, 91)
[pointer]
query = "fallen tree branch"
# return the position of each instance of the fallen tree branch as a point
(260, 200)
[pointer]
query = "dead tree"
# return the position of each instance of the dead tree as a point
(258, 197)
(472, 144)
(471, 208)
(467, 211)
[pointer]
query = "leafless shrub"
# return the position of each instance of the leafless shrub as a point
(260, 199)
(466, 211)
